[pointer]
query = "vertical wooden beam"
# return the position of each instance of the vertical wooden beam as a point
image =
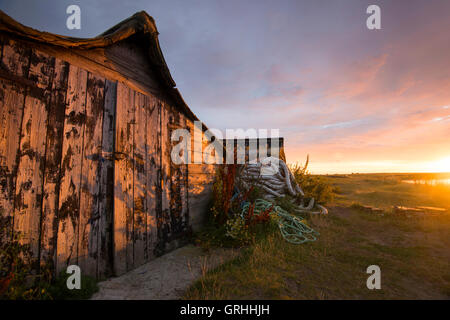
(184, 181)
(163, 217)
(30, 173)
(175, 176)
(140, 187)
(190, 127)
(55, 129)
(123, 175)
(106, 196)
(90, 176)
(153, 161)
(71, 166)
(15, 60)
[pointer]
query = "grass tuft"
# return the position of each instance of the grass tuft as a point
(412, 251)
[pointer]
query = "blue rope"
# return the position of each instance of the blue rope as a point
(291, 227)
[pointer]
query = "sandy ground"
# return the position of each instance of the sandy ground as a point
(166, 277)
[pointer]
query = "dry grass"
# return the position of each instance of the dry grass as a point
(412, 252)
(387, 190)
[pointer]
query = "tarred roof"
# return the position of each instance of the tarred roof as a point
(138, 24)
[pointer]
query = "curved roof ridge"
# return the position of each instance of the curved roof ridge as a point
(139, 23)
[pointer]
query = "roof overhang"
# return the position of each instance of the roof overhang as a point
(139, 24)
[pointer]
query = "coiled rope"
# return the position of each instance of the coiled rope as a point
(274, 178)
(291, 227)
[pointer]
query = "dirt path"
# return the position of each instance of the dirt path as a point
(166, 277)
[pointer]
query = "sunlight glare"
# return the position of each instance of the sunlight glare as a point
(442, 165)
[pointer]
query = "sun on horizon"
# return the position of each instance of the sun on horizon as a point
(441, 165)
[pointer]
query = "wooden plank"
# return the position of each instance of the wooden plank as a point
(153, 161)
(199, 210)
(55, 129)
(16, 58)
(131, 61)
(184, 183)
(200, 192)
(12, 97)
(41, 69)
(71, 166)
(11, 109)
(163, 217)
(106, 196)
(173, 223)
(123, 175)
(90, 176)
(99, 62)
(179, 176)
(202, 169)
(190, 128)
(140, 187)
(28, 193)
(198, 185)
(30, 172)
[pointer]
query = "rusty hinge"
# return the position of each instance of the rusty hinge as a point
(113, 155)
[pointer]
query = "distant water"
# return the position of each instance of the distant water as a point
(431, 182)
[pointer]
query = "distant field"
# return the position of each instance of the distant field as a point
(384, 190)
(413, 251)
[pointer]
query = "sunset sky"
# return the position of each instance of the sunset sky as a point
(355, 100)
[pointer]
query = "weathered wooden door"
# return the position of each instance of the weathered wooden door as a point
(137, 194)
(173, 220)
(54, 177)
(86, 175)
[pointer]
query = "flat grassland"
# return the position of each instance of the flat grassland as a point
(385, 190)
(411, 249)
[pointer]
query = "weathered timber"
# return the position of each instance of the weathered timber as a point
(14, 60)
(140, 27)
(139, 179)
(123, 175)
(90, 176)
(163, 217)
(106, 194)
(153, 172)
(55, 128)
(178, 219)
(71, 169)
(30, 172)
(86, 174)
(184, 184)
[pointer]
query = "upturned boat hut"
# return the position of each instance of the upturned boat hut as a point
(85, 171)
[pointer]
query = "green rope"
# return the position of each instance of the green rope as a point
(291, 227)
